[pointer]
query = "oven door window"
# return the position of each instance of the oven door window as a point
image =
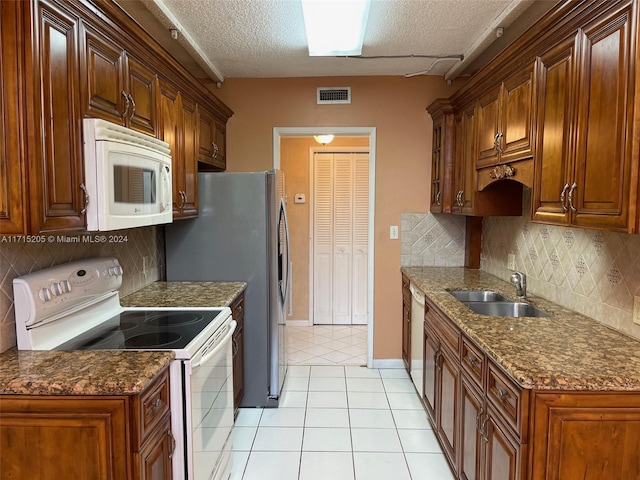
(211, 411)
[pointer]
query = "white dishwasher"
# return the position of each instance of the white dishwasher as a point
(417, 333)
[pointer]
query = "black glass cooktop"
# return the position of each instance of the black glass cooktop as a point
(140, 329)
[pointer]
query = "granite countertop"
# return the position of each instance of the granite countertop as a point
(185, 294)
(108, 372)
(567, 351)
(95, 372)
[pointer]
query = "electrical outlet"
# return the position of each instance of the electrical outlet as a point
(145, 260)
(511, 261)
(393, 232)
(636, 309)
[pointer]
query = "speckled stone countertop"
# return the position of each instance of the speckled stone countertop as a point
(566, 351)
(185, 294)
(95, 372)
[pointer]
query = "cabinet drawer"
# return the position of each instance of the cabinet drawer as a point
(153, 403)
(237, 309)
(449, 333)
(472, 360)
(507, 397)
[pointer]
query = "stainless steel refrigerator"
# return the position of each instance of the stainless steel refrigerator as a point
(241, 234)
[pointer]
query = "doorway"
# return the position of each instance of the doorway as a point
(294, 196)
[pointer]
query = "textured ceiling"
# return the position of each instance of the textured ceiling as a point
(266, 38)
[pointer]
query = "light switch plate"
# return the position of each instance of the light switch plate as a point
(511, 261)
(636, 309)
(393, 232)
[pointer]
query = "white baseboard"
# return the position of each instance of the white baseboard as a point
(387, 363)
(298, 323)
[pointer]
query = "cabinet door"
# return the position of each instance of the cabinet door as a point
(553, 162)
(189, 141)
(488, 127)
(471, 444)
(64, 437)
(103, 71)
(154, 459)
(141, 85)
(238, 366)
(447, 405)
(464, 161)
(168, 110)
(13, 173)
(406, 325)
(431, 348)
(57, 198)
(516, 127)
(502, 455)
(211, 141)
(603, 156)
(437, 166)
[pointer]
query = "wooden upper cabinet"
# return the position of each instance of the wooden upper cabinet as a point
(584, 173)
(505, 121)
(57, 198)
(603, 171)
(13, 174)
(212, 141)
(119, 88)
(464, 187)
(179, 128)
(189, 153)
(441, 113)
(554, 163)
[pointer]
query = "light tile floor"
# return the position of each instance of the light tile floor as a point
(327, 345)
(339, 423)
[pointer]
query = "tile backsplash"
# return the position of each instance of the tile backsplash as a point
(595, 273)
(432, 240)
(129, 246)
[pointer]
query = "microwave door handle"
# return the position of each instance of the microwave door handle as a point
(166, 189)
(222, 344)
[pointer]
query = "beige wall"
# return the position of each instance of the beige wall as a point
(294, 162)
(395, 106)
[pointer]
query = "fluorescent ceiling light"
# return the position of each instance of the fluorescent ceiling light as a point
(335, 27)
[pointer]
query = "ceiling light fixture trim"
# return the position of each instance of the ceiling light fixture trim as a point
(324, 139)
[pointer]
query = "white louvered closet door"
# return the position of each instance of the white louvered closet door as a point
(341, 225)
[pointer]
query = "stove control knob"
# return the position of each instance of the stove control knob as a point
(44, 294)
(55, 289)
(65, 286)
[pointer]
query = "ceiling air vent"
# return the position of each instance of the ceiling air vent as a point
(328, 95)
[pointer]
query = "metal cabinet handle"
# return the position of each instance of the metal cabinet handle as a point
(438, 195)
(483, 428)
(503, 394)
(86, 198)
(235, 347)
(495, 143)
(500, 149)
(570, 197)
(215, 150)
(459, 200)
(133, 106)
(126, 103)
(472, 360)
(183, 199)
(173, 443)
(562, 195)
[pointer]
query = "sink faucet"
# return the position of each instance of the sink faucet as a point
(519, 279)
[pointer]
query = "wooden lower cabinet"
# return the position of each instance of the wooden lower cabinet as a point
(406, 323)
(87, 437)
(490, 428)
(237, 312)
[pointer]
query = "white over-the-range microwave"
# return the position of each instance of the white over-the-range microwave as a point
(128, 177)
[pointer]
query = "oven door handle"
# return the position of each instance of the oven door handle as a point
(222, 344)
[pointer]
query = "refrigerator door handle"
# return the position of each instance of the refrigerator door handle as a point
(284, 283)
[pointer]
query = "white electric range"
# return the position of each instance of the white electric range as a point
(76, 306)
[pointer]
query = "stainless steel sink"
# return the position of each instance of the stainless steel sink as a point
(506, 309)
(478, 296)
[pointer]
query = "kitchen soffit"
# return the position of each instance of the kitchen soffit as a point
(266, 38)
